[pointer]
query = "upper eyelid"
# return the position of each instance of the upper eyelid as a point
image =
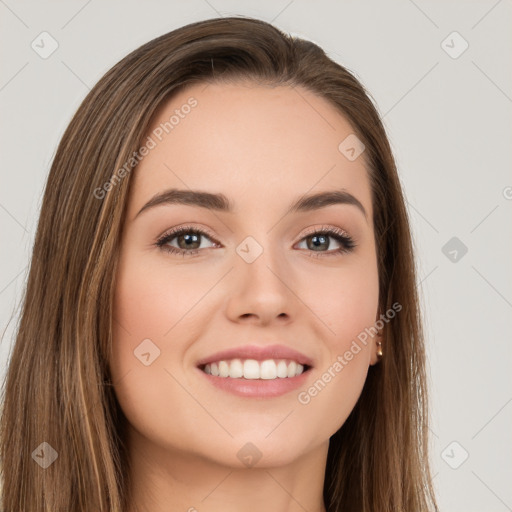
(323, 228)
(173, 232)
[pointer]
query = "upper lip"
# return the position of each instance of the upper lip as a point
(259, 353)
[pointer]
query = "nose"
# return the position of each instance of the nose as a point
(261, 292)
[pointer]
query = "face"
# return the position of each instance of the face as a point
(252, 276)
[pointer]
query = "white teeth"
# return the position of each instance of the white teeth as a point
(268, 370)
(223, 369)
(282, 369)
(236, 369)
(252, 369)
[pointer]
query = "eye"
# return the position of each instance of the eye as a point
(188, 240)
(318, 240)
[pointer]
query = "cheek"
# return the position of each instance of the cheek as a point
(151, 309)
(150, 313)
(149, 301)
(146, 309)
(346, 302)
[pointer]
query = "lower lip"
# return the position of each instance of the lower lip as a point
(257, 388)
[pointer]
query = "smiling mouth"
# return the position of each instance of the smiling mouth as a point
(251, 369)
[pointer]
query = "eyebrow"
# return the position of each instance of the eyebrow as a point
(220, 203)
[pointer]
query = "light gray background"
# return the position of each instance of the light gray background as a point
(450, 125)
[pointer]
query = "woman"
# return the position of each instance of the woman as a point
(221, 308)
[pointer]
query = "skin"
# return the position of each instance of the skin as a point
(262, 147)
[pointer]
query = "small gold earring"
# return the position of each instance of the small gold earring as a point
(379, 350)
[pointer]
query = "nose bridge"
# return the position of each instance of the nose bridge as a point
(260, 285)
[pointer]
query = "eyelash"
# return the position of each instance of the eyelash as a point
(339, 235)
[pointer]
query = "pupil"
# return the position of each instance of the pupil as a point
(189, 239)
(320, 240)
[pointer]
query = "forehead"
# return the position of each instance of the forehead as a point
(246, 141)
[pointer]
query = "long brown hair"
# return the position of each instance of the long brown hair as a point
(58, 388)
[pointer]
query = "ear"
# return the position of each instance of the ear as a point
(376, 348)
